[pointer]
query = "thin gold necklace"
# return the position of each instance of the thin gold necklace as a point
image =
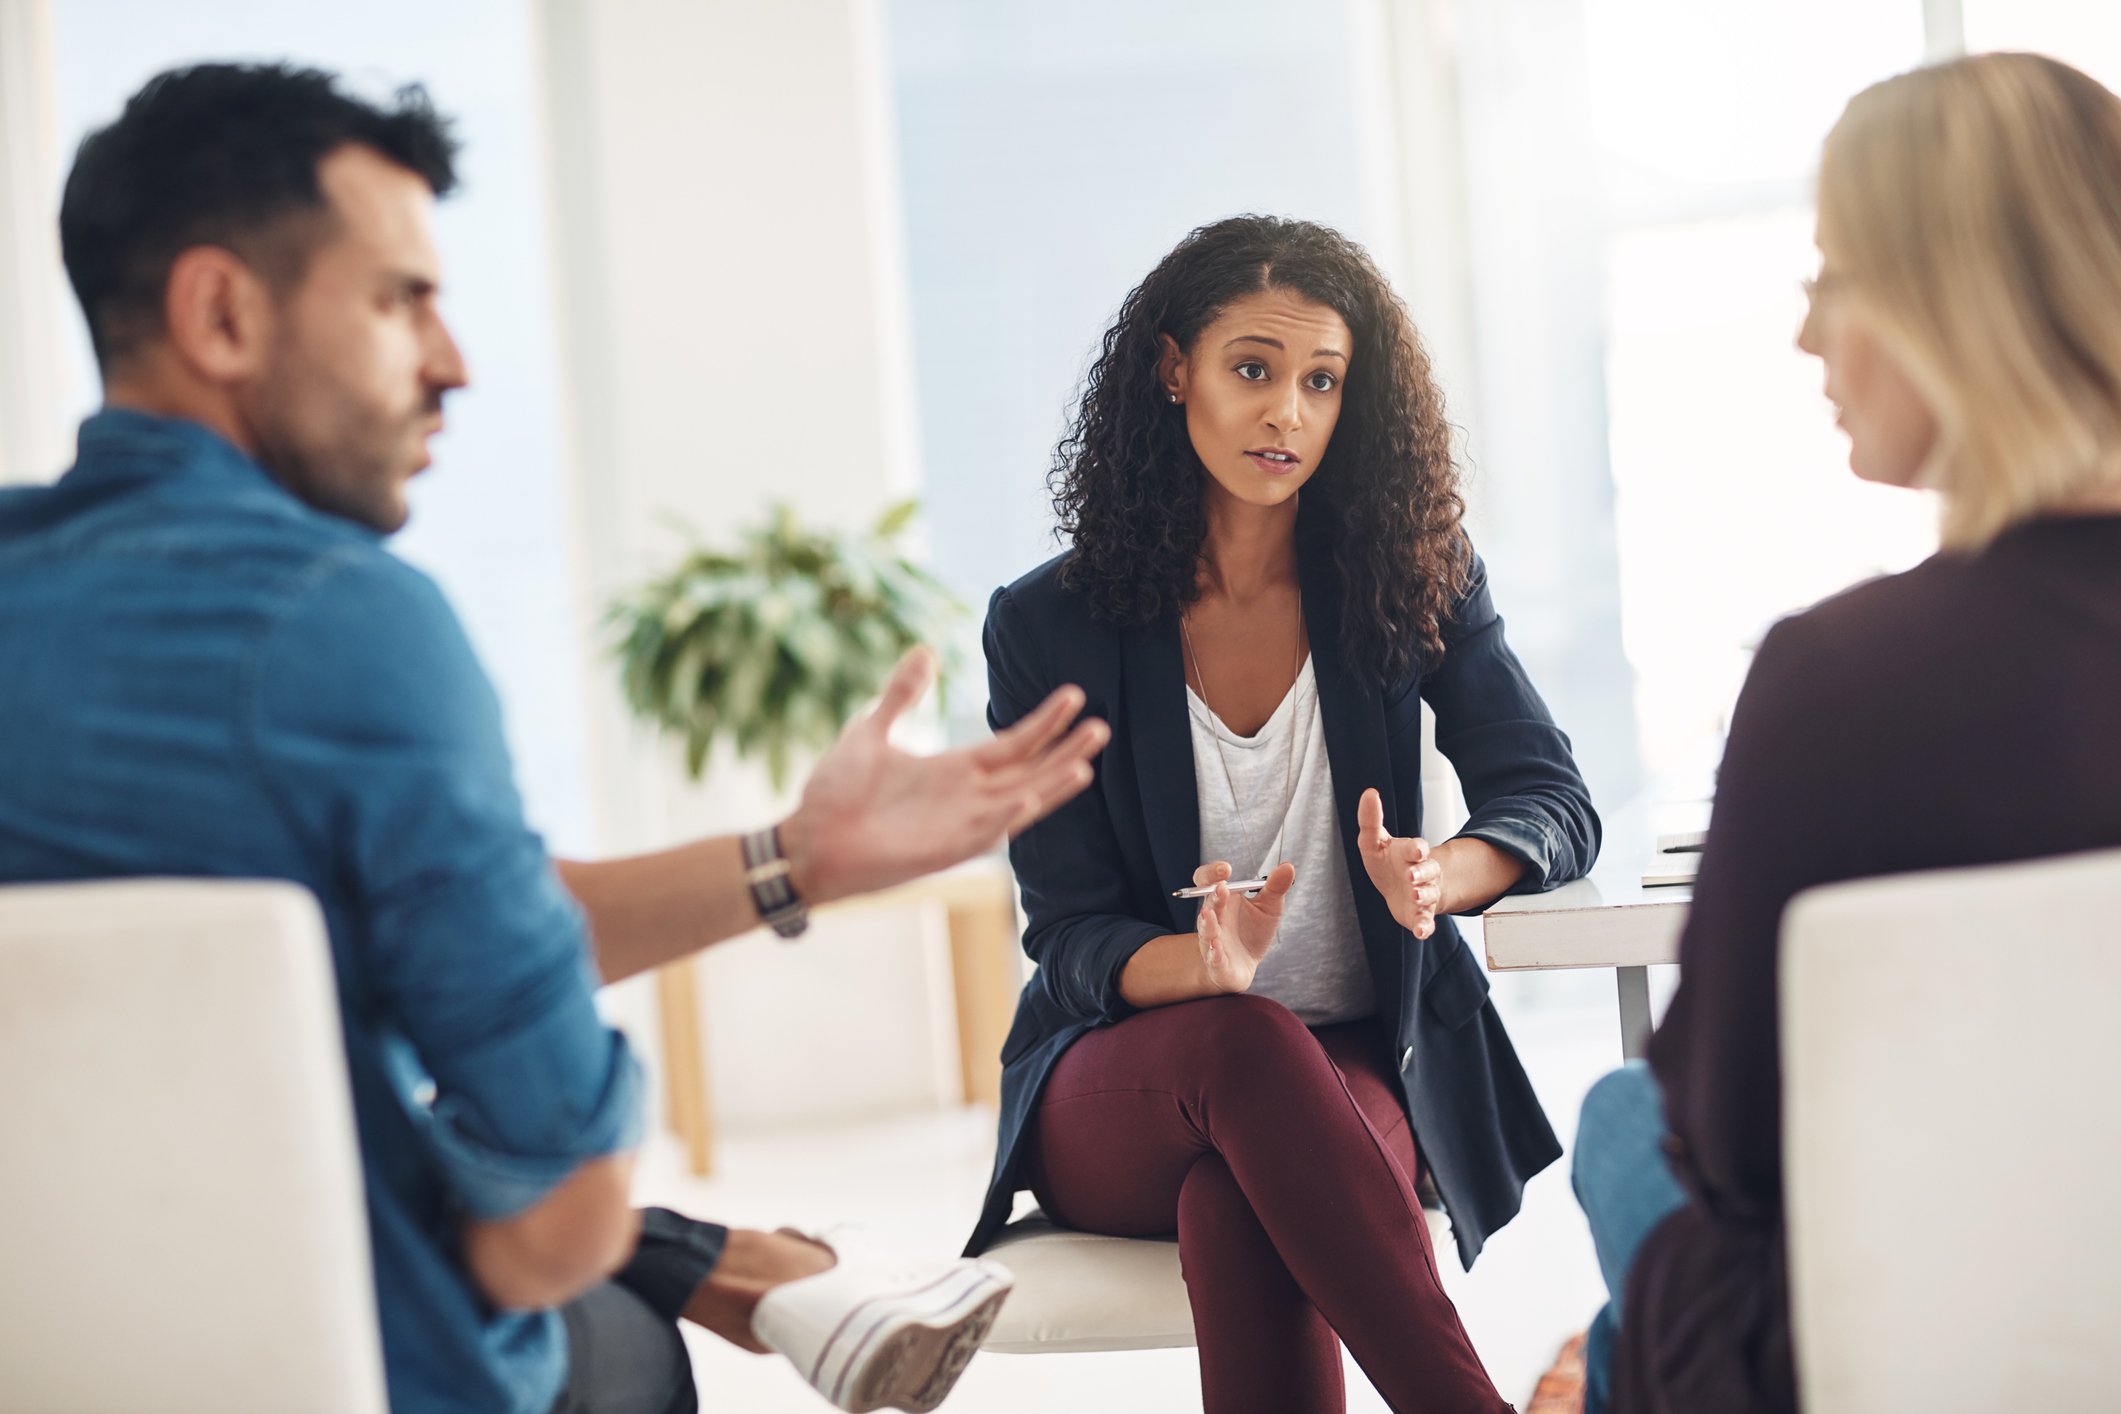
(1229, 780)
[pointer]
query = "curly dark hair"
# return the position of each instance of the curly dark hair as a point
(1384, 502)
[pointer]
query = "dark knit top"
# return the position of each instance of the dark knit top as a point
(1965, 712)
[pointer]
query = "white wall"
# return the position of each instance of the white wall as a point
(34, 373)
(734, 305)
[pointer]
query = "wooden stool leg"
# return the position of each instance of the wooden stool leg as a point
(689, 1112)
(983, 965)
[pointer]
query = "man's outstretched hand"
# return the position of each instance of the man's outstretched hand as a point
(872, 815)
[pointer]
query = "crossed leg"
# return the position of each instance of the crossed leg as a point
(625, 1355)
(1282, 1161)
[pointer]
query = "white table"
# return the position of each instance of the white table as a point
(1606, 920)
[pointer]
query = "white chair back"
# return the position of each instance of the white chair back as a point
(1951, 1043)
(181, 1216)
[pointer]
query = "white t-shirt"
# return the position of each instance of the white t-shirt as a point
(1316, 967)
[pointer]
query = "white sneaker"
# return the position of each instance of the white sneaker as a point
(896, 1338)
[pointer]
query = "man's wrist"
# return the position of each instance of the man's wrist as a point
(769, 878)
(799, 846)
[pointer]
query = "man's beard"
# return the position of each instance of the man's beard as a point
(334, 455)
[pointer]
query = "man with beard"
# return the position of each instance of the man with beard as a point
(219, 670)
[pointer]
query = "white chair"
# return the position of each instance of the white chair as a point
(1951, 1047)
(181, 1218)
(1078, 1291)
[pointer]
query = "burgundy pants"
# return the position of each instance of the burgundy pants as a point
(1282, 1158)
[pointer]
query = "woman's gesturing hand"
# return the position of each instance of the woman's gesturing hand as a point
(1235, 932)
(1405, 870)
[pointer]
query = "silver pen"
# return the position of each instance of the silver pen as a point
(1237, 886)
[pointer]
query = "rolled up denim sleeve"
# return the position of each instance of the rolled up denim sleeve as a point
(380, 737)
(1526, 796)
(493, 1178)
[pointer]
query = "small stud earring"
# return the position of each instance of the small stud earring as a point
(1172, 396)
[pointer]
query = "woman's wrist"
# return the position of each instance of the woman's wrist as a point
(1217, 986)
(1473, 874)
(1166, 970)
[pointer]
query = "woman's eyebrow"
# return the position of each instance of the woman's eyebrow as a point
(1277, 344)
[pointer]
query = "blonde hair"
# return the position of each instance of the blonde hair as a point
(1974, 209)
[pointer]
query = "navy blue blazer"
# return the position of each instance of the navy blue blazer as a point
(1097, 875)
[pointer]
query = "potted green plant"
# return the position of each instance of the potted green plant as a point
(776, 643)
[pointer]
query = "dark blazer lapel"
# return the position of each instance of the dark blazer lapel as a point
(1154, 683)
(1351, 709)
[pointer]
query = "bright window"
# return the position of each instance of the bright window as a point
(2077, 32)
(1734, 504)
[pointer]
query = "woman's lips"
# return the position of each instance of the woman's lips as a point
(1270, 465)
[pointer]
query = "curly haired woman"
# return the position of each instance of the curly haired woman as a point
(1267, 576)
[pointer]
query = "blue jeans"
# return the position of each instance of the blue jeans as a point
(1625, 1189)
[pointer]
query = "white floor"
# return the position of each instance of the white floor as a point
(914, 1182)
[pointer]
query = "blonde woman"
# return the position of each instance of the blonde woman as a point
(1968, 313)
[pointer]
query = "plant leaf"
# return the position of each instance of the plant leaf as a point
(896, 519)
(778, 640)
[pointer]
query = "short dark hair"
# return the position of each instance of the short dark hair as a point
(220, 154)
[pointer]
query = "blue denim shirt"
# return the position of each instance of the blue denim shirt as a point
(211, 679)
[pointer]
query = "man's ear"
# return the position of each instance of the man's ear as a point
(1171, 369)
(218, 313)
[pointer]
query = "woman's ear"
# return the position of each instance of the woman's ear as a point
(1171, 369)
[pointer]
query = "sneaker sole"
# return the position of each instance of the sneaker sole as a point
(911, 1352)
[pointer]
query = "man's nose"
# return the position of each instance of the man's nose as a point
(445, 361)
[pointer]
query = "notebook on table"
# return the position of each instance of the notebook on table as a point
(1675, 860)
